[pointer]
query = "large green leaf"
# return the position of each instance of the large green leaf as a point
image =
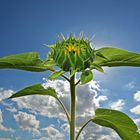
(26, 61)
(86, 76)
(33, 90)
(117, 57)
(118, 121)
(38, 89)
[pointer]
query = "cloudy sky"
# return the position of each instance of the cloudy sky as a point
(27, 25)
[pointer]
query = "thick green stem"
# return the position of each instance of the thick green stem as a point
(73, 107)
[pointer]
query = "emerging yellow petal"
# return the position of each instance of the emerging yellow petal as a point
(73, 54)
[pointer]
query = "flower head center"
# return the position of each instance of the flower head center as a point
(73, 49)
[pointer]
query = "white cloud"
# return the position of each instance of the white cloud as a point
(130, 85)
(28, 122)
(97, 132)
(44, 138)
(53, 133)
(5, 93)
(88, 99)
(136, 110)
(2, 127)
(137, 96)
(46, 105)
(10, 107)
(100, 99)
(111, 136)
(65, 127)
(118, 105)
(137, 121)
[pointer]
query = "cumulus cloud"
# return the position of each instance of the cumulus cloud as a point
(48, 106)
(137, 96)
(5, 93)
(44, 138)
(53, 133)
(97, 132)
(111, 136)
(118, 105)
(2, 127)
(136, 110)
(28, 122)
(88, 99)
(137, 121)
(92, 131)
(65, 127)
(10, 107)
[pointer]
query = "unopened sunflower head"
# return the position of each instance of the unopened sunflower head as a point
(72, 53)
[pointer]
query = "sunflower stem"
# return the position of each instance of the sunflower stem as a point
(73, 107)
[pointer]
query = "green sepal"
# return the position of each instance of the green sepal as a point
(86, 76)
(97, 67)
(73, 72)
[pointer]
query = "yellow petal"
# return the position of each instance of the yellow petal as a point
(69, 49)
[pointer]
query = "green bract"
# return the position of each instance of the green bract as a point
(72, 53)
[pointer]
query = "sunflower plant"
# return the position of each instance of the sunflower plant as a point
(67, 57)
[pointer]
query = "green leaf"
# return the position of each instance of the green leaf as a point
(98, 53)
(86, 76)
(56, 74)
(117, 57)
(29, 61)
(33, 90)
(97, 67)
(118, 121)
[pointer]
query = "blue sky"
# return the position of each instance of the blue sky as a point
(27, 25)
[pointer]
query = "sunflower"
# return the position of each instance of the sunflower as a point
(72, 53)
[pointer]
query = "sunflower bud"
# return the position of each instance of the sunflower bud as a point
(72, 53)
